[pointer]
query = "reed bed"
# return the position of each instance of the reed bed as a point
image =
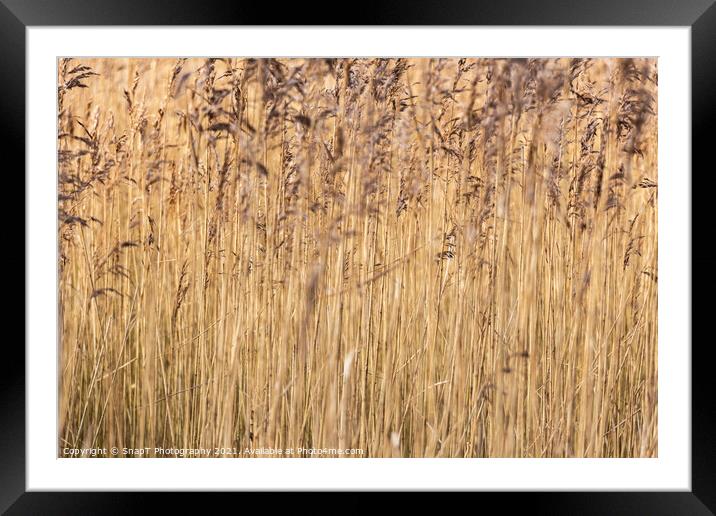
(409, 257)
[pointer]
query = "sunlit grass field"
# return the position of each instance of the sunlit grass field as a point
(410, 257)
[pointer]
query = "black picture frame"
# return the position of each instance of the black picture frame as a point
(700, 15)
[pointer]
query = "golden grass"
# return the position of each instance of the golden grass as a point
(412, 257)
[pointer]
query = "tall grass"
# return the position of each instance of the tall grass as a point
(413, 257)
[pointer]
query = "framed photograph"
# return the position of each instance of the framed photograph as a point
(445, 247)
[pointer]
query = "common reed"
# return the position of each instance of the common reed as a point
(410, 257)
